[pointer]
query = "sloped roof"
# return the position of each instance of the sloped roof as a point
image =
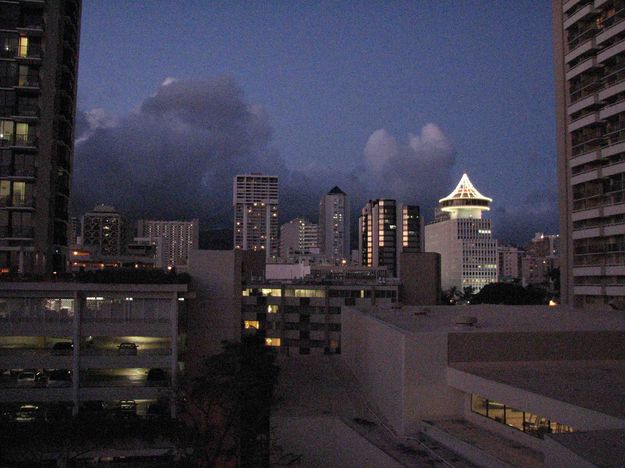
(465, 190)
(336, 191)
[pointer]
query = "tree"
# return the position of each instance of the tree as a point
(510, 294)
(225, 411)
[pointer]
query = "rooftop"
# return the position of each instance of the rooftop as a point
(503, 318)
(601, 448)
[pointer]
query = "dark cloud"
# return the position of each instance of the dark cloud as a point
(175, 157)
(538, 212)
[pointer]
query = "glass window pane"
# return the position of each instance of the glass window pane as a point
(514, 418)
(478, 404)
(496, 411)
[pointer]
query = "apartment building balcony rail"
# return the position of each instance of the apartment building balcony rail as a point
(15, 202)
(42, 316)
(26, 140)
(29, 81)
(578, 14)
(28, 172)
(585, 90)
(609, 26)
(17, 233)
(582, 37)
(587, 146)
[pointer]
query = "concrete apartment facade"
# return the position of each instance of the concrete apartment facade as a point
(588, 48)
(334, 225)
(531, 376)
(38, 67)
(298, 235)
(304, 317)
(180, 236)
(255, 203)
(91, 321)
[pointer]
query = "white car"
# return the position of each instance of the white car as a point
(27, 413)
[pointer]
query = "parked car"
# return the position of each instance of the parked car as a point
(128, 348)
(156, 411)
(60, 378)
(62, 348)
(128, 408)
(27, 413)
(27, 378)
(156, 378)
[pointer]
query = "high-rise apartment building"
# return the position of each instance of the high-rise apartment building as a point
(38, 65)
(590, 66)
(464, 239)
(255, 202)
(509, 263)
(103, 231)
(298, 235)
(387, 228)
(334, 225)
(180, 236)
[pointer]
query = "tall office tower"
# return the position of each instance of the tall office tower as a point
(180, 236)
(590, 111)
(298, 235)
(464, 239)
(38, 65)
(386, 229)
(103, 231)
(255, 202)
(334, 226)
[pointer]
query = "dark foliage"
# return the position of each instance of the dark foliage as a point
(510, 294)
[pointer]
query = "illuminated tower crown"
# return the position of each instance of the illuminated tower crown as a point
(465, 201)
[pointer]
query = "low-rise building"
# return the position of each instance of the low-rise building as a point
(500, 385)
(304, 317)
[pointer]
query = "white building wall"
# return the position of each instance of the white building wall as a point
(443, 238)
(374, 352)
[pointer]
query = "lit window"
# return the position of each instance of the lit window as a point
(251, 324)
(272, 309)
(272, 341)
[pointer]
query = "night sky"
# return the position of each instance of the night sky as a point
(384, 99)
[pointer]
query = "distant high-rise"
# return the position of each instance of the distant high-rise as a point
(334, 225)
(590, 114)
(298, 235)
(38, 65)
(464, 239)
(255, 202)
(385, 229)
(103, 231)
(180, 236)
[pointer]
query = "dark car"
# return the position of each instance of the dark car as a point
(157, 378)
(60, 378)
(128, 348)
(62, 348)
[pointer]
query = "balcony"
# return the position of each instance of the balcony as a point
(584, 121)
(28, 52)
(612, 26)
(26, 140)
(580, 68)
(578, 15)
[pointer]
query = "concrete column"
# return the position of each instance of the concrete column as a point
(173, 317)
(78, 299)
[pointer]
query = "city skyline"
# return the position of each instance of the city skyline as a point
(361, 118)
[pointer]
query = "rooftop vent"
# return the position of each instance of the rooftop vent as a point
(466, 320)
